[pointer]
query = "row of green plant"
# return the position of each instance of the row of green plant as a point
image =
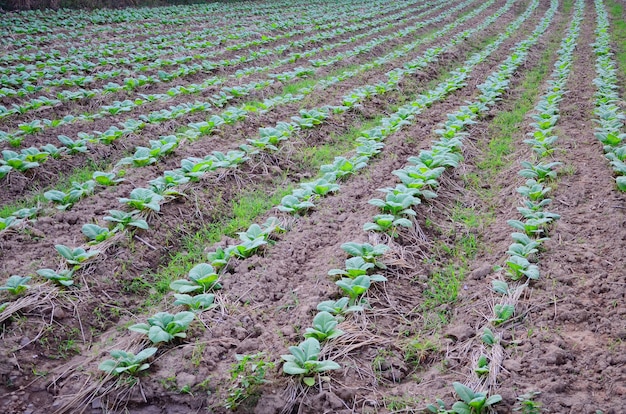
(194, 168)
(371, 141)
(34, 126)
(126, 34)
(134, 81)
(196, 293)
(117, 21)
(419, 179)
(143, 60)
(304, 359)
(445, 153)
(520, 267)
(609, 113)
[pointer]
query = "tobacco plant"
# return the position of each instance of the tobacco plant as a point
(16, 285)
(202, 278)
(324, 327)
(164, 326)
(303, 361)
(63, 277)
(127, 362)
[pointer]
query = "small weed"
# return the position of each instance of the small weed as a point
(247, 374)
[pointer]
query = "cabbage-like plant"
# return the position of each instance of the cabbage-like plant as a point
(303, 360)
(164, 326)
(324, 327)
(127, 362)
(197, 303)
(202, 278)
(368, 252)
(75, 256)
(16, 284)
(123, 219)
(142, 199)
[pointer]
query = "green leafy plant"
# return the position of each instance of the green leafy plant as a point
(16, 285)
(125, 219)
(143, 198)
(292, 204)
(338, 307)
(63, 277)
(342, 166)
(539, 172)
(127, 362)
(104, 178)
(354, 267)
(488, 337)
(356, 287)
(8, 222)
(472, 402)
(164, 326)
(482, 366)
(197, 303)
(202, 277)
(397, 204)
(247, 374)
(303, 361)
(75, 256)
(502, 313)
(321, 187)
(219, 258)
(526, 405)
(387, 222)
(324, 327)
(96, 233)
(368, 252)
(518, 267)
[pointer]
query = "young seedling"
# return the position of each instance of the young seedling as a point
(201, 278)
(127, 362)
(368, 252)
(387, 222)
(324, 327)
(142, 199)
(64, 277)
(198, 303)
(104, 178)
(355, 266)
(502, 313)
(339, 307)
(303, 361)
(75, 256)
(291, 204)
(473, 402)
(164, 326)
(123, 219)
(16, 285)
(97, 234)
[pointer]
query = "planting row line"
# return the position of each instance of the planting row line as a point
(139, 59)
(293, 13)
(145, 156)
(140, 81)
(124, 106)
(609, 113)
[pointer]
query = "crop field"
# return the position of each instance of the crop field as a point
(351, 206)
